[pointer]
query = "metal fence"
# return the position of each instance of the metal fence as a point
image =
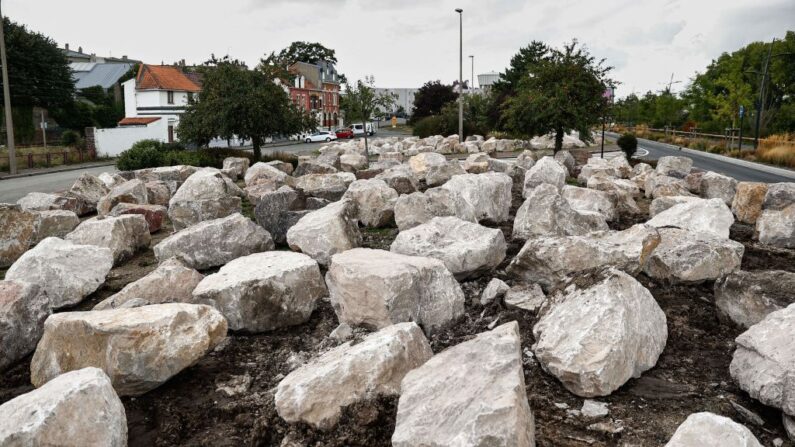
(32, 160)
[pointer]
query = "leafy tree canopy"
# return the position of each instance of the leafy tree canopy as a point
(236, 102)
(360, 103)
(561, 92)
(275, 65)
(431, 98)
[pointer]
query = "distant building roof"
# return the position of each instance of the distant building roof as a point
(90, 74)
(164, 77)
(138, 121)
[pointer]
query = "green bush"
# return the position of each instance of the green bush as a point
(153, 153)
(70, 138)
(628, 143)
(429, 126)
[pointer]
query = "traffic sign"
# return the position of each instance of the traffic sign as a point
(742, 111)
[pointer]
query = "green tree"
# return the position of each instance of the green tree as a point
(360, 103)
(562, 92)
(431, 98)
(275, 65)
(237, 102)
(38, 75)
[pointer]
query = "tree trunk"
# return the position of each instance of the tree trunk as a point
(558, 139)
(255, 143)
(366, 150)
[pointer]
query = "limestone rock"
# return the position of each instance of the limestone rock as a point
(489, 194)
(17, 232)
(23, 309)
(711, 216)
(315, 167)
(317, 392)
(111, 180)
(238, 165)
(710, 430)
(177, 174)
(155, 215)
(352, 162)
(567, 161)
(661, 185)
(471, 394)
(417, 208)
(283, 166)
(65, 272)
(477, 163)
(205, 195)
(264, 291)
(779, 196)
(325, 232)
(496, 288)
(181, 281)
(90, 189)
(528, 297)
(777, 227)
(591, 200)
(748, 201)
(663, 203)
(139, 348)
(159, 192)
(133, 191)
(374, 202)
(215, 242)
(595, 339)
(275, 209)
(438, 175)
(39, 201)
(747, 297)
(124, 235)
(257, 191)
(79, 408)
(466, 248)
(677, 167)
(421, 163)
(685, 256)
(54, 223)
(546, 170)
(326, 186)
(376, 288)
(546, 213)
(551, 259)
(526, 159)
(718, 186)
(400, 178)
(762, 363)
(262, 171)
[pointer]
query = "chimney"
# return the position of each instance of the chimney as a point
(80, 50)
(124, 57)
(66, 46)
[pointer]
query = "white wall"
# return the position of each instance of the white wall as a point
(112, 142)
(130, 104)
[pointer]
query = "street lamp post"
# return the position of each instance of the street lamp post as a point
(472, 78)
(460, 74)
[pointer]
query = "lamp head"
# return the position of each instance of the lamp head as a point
(459, 10)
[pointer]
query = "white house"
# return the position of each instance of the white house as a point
(153, 103)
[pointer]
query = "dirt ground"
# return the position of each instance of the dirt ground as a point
(226, 399)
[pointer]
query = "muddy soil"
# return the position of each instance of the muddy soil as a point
(226, 399)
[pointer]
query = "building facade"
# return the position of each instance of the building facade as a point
(404, 98)
(316, 88)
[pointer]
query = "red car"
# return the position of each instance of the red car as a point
(344, 133)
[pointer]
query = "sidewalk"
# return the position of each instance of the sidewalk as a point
(63, 168)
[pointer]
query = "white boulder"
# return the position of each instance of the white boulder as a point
(546, 213)
(327, 231)
(711, 217)
(123, 235)
(685, 256)
(489, 194)
(23, 309)
(547, 170)
(417, 208)
(373, 201)
(180, 278)
(710, 430)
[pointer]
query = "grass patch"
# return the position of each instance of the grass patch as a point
(247, 208)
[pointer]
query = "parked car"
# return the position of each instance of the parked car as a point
(358, 129)
(344, 133)
(322, 135)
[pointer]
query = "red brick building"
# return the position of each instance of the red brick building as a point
(316, 88)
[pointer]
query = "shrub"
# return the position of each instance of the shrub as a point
(628, 143)
(70, 138)
(143, 154)
(281, 156)
(153, 153)
(429, 126)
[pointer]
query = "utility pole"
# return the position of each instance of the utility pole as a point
(761, 101)
(472, 84)
(742, 115)
(460, 74)
(12, 151)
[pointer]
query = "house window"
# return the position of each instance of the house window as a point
(170, 96)
(190, 96)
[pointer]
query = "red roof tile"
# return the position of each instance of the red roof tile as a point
(138, 121)
(164, 77)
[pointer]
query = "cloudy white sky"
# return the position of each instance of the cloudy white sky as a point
(404, 43)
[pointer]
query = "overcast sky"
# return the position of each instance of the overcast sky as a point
(404, 43)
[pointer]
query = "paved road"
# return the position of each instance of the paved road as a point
(654, 150)
(12, 190)
(309, 148)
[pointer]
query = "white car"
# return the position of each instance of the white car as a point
(358, 129)
(320, 136)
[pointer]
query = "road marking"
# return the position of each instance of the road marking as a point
(642, 152)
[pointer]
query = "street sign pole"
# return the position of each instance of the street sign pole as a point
(742, 115)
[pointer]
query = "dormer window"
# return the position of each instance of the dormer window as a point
(170, 97)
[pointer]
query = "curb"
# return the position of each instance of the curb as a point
(54, 171)
(737, 162)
